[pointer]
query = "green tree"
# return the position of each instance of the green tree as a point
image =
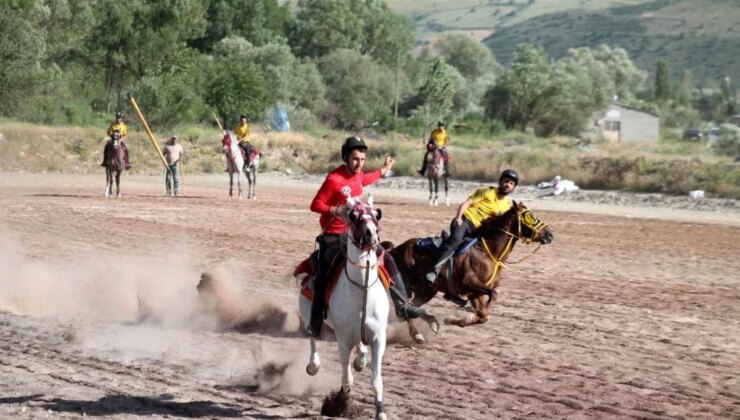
(626, 78)
(662, 81)
(237, 87)
(471, 58)
(438, 90)
(684, 92)
(357, 88)
(322, 26)
(258, 21)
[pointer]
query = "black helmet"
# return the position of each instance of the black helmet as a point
(511, 174)
(119, 114)
(244, 116)
(351, 144)
(441, 123)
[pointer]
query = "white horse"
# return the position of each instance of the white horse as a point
(234, 162)
(358, 306)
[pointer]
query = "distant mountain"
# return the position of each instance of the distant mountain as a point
(700, 35)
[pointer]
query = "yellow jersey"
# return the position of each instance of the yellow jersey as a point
(440, 137)
(121, 127)
(242, 132)
(486, 203)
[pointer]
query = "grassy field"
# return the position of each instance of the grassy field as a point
(670, 167)
(688, 34)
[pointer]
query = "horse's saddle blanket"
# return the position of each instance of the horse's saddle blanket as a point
(435, 244)
(308, 267)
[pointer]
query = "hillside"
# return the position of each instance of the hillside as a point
(688, 34)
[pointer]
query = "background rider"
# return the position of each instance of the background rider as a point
(120, 126)
(439, 139)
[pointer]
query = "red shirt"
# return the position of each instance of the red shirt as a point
(333, 192)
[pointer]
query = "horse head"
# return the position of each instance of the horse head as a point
(521, 223)
(364, 223)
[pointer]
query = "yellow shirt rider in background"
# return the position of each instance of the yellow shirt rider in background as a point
(242, 132)
(119, 126)
(484, 203)
(440, 139)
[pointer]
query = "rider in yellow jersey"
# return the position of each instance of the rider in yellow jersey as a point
(440, 139)
(118, 126)
(242, 132)
(482, 204)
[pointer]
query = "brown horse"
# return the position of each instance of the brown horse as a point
(475, 273)
(114, 165)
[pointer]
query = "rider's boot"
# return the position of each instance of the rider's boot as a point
(125, 156)
(404, 308)
(318, 308)
(447, 170)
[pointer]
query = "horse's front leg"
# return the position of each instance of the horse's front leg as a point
(431, 191)
(239, 183)
(108, 183)
(481, 304)
(312, 368)
(378, 347)
(231, 184)
(345, 349)
(447, 197)
(118, 184)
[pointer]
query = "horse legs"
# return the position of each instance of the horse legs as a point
(231, 183)
(360, 358)
(344, 352)
(378, 347)
(312, 368)
(436, 192)
(481, 304)
(108, 183)
(447, 197)
(118, 183)
(423, 296)
(431, 191)
(239, 182)
(253, 182)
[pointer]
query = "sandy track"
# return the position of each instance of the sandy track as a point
(622, 317)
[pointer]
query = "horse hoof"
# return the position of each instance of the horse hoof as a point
(434, 325)
(382, 416)
(312, 369)
(447, 201)
(119, 196)
(419, 339)
(360, 363)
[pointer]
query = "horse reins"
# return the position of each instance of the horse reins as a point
(499, 262)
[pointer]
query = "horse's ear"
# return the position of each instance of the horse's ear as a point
(377, 213)
(352, 216)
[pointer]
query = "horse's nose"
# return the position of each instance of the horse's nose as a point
(547, 238)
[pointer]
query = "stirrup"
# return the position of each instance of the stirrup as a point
(409, 311)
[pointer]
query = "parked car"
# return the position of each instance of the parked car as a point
(692, 134)
(713, 134)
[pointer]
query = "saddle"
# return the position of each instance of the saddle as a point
(307, 270)
(248, 150)
(435, 244)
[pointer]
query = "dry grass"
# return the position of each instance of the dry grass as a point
(671, 167)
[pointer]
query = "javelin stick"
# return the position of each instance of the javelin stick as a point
(219, 123)
(151, 136)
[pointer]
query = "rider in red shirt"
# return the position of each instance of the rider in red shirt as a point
(330, 201)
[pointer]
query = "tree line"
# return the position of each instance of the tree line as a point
(349, 64)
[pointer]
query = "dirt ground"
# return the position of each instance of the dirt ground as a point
(630, 313)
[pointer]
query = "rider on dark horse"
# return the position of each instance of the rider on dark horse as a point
(484, 203)
(242, 132)
(117, 126)
(330, 200)
(437, 139)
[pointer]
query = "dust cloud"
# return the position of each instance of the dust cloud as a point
(131, 308)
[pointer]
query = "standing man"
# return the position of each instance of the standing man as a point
(440, 139)
(173, 154)
(330, 200)
(482, 204)
(242, 132)
(120, 126)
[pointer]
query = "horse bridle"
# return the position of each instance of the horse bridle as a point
(355, 235)
(526, 218)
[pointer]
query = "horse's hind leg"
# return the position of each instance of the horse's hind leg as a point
(108, 183)
(231, 184)
(118, 184)
(447, 197)
(431, 192)
(360, 358)
(239, 183)
(312, 368)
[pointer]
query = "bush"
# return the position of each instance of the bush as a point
(729, 141)
(79, 147)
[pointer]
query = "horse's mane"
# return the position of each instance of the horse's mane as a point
(493, 225)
